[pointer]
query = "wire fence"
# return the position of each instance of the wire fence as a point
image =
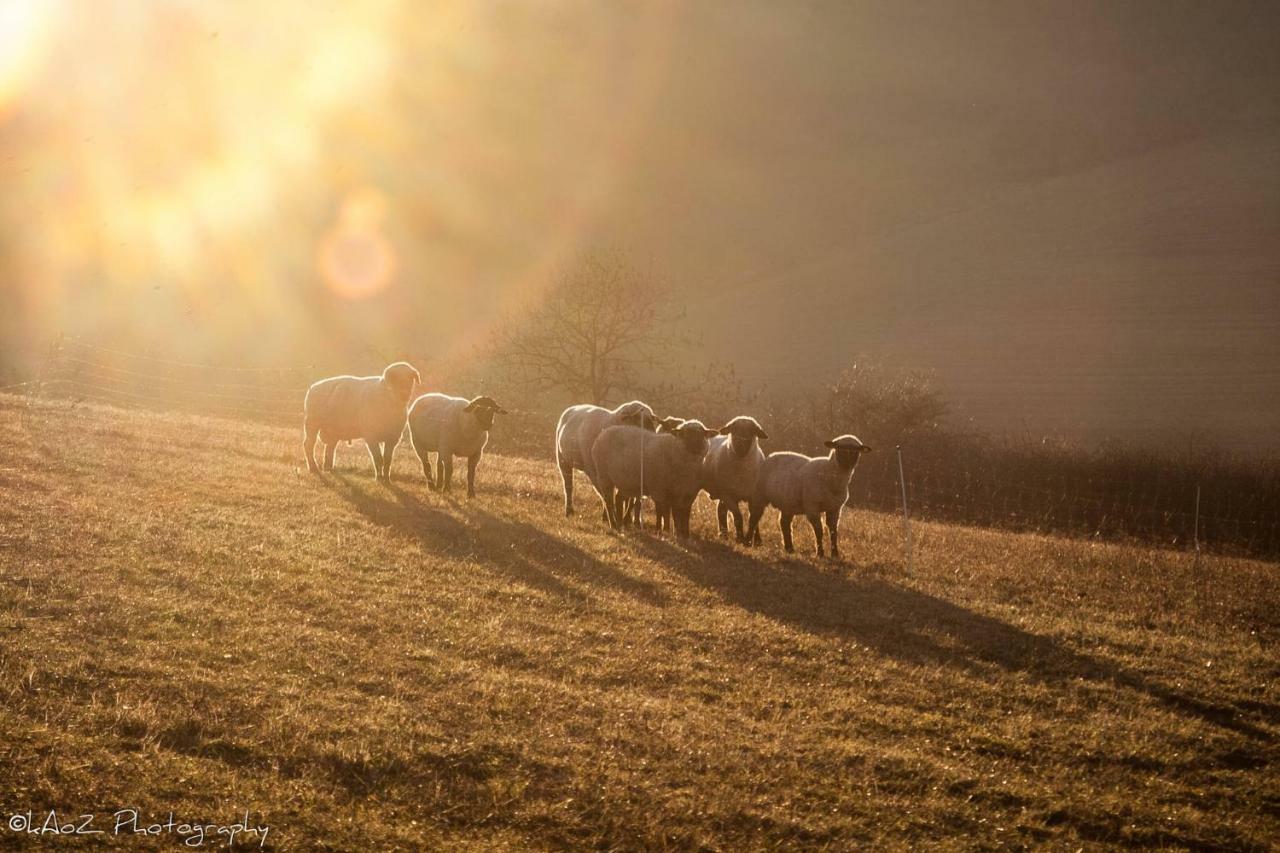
(1211, 510)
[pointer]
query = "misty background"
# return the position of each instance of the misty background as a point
(1070, 212)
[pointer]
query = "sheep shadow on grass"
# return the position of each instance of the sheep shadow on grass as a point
(864, 604)
(462, 530)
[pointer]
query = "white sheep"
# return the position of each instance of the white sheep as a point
(731, 467)
(576, 433)
(670, 472)
(808, 486)
(371, 408)
(449, 427)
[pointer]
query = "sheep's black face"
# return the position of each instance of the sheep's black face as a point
(741, 441)
(847, 449)
(694, 442)
(483, 409)
(743, 433)
(848, 458)
(695, 437)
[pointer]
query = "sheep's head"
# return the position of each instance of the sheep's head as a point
(638, 414)
(743, 432)
(694, 436)
(847, 450)
(484, 408)
(402, 379)
(668, 424)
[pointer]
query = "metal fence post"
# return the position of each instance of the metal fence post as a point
(906, 517)
(1196, 529)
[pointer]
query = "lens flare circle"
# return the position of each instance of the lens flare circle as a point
(355, 259)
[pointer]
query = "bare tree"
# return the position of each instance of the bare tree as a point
(601, 329)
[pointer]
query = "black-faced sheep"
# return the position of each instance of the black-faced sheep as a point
(808, 486)
(449, 427)
(631, 462)
(576, 433)
(731, 467)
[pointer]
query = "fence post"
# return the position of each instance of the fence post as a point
(1196, 529)
(640, 499)
(906, 518)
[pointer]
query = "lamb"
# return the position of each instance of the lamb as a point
(576, 433)
(803, 485)
(670, 471)
(449, 427)
(731, 467)
(371, 408)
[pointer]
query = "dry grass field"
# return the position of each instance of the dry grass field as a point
(191, 624)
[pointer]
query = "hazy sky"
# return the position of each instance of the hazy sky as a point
(1070, 211)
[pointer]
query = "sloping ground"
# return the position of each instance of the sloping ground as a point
(191, 624)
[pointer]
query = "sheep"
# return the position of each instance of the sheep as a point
(631, 462)
(577, 430)
(449, 427)
(371, 408)
(803, 485)
(730, 469)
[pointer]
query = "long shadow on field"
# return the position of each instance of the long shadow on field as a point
(519, 550)
(905, 623)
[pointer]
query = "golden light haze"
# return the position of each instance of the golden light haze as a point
(1068, 210)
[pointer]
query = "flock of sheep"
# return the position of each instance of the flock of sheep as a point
(627, 453)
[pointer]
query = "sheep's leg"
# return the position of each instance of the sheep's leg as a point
(329, 449)
(681, 518)
(608, 496)
(446, 459)
(472, 462)
(786, 533)
(661, 516)
(309, 447)
(375, 452)
(424, 456)
(619, 509)
(440, 473)
(753, 525)
(833, 525)
(815, 521)
(737, 520)
(566, 474)
(722, 515)
(388, 451)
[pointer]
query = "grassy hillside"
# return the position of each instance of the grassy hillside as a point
(191, 624)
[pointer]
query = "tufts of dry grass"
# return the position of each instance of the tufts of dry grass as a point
(192, 624)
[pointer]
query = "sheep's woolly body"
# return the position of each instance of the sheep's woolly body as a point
(803, 485)
(349, 407)
(440, 424)
(576, 434)
(671, 471)
(815, 487)
(371, 408)
(727, 476)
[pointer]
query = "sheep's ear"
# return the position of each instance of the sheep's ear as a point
(724, 430)
(864, 449)
(471, 407)
(708, 432)
(761, 434)
(498, 410)
(830, 444)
